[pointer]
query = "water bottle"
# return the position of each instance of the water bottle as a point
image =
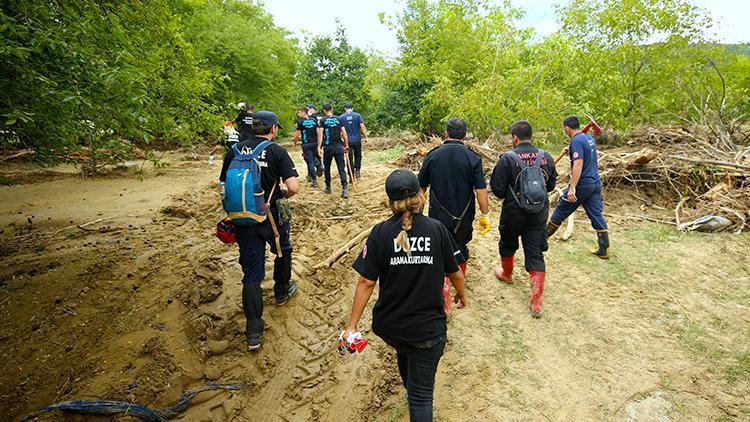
(222, 189)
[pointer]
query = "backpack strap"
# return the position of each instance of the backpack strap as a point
(261, 146)
(459, 218)
(539, 157)
(517, 159)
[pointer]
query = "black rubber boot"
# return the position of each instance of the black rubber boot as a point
(314, 182)
(345, 191)
(327, 189)
(551, 228)
(602, 237)
(252, 305)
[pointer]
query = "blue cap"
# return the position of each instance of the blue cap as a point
(268, 118)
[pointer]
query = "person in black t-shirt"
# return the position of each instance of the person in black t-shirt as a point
(515, 222)
(279, 181)
(332, 145)
(455, 177)
(409, 254)
(307, 133)
(318, 162)
(244, 121)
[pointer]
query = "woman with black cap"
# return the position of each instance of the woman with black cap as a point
(410, 254)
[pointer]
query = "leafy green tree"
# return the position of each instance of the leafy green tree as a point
(332, 71)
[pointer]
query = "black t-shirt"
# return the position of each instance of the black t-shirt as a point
(308, 128)
(410, 302)
(506, 171)
(274, 162)
(244, 122)
(331, 131)
(227, 140)
(452, 172)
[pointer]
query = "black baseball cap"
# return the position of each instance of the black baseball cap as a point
(267, 118)
(401, 184)
(310, 106)
(348, 105)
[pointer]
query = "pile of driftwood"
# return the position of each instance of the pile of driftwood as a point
(703, 170)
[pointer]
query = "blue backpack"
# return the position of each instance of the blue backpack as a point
(243, 198)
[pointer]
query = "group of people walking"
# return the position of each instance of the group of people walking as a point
(417, 258)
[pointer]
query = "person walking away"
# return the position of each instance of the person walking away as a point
(454, 175)
(356, 131)
(275, 167)
(307, 133)
(409, 254)
(585, 186)
(244, 121)
(521, 179)
(226, 140)
(318, 161)
(332, 145)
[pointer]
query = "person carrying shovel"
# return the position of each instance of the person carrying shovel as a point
(454, 175)
(409, 254)
(585, 186)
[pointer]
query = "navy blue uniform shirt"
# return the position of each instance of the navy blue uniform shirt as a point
(583, 147)
(351, 121)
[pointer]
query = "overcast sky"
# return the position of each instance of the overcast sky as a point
(360, 19)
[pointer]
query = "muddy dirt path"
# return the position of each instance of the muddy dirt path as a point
(146, 304)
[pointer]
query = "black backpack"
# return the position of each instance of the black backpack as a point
(531, 186)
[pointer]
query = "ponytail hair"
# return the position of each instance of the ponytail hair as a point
(407, 207)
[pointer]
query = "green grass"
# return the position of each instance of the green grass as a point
(740, 369)
(5, 181)
(387, 155)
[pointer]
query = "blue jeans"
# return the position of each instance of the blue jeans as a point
(417, 364)
(309, 151)
(590, 196)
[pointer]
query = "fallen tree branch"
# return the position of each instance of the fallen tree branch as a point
(343, 250)
(708, 161)
(568, 228)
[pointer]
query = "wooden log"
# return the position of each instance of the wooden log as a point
(568, 228)
(343, 250)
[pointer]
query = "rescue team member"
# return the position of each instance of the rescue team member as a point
(318, 161)
(355, 130)
(409, 254)
(244, 121)
(332, 145)
(454, 175)
(307, 132)
(585, 186)
(275, 166)
(227, 140)
(514, 221)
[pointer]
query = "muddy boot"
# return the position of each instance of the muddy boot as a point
(537, 289)
(252, 305)
(345, 191)
(447, 297)
(327, 189)
(602, 237)
(314, 182)
(551, 228)
(357, 175)
(504, 271)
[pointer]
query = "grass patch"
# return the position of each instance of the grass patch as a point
(387, 155)
(6, 181)
(740, 369)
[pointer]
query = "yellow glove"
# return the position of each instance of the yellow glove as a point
(484, 224)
